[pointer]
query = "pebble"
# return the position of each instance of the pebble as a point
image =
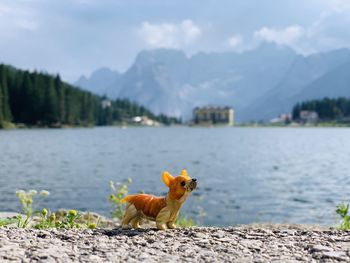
(319, 248)
(249, 243)
(334, 254)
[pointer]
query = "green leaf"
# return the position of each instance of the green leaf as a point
(7, 221)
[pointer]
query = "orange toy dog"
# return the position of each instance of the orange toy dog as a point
(163, 210)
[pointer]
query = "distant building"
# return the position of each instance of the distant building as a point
(283, 118)
(213, 115)
(308, 116)
(145, 121)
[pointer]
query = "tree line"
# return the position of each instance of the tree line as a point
(326, 108)
(36, 98)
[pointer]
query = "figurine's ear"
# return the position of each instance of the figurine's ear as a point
(167, 178)
(184, 174)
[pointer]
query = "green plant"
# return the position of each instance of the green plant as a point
(71, 217)
(91, 225)
(26, 199)
(7, 221)
(184, 221)
(69, 220)
(342, 210)
(47, 220)
(66, 219)
(119, 191)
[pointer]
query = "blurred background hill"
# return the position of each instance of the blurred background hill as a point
(260, 84)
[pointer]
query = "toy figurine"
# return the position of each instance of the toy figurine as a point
(163, 210)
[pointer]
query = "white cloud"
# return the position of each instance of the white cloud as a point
(169, 35)
(27, 24)
(190, 30)
(4, 9)
(286, 36)
(330, 31)
(235, 41)
(14, 16)
(339, 5)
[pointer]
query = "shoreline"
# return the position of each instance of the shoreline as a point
(246, 243)
(239, 126)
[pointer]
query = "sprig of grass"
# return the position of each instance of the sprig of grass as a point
(184, 221)
(48, 220)
(343, 210)
(7, 221)
(69, 220)
(119, 191)
(90, 224)
(26, 199)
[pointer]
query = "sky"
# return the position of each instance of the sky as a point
(76, 37)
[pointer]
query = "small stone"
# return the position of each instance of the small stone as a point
(339, 255)
(143, 256)
(289, 231)
(219, 234)
(319, 248)
(158, 245)
(200, 235)
(95, 258)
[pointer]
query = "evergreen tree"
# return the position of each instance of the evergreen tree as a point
(1, 107)
(5, 98)
(296, 112)
(60, 89)
(327, 109)
(35, 98)
(27, 100)
(39, 98)
(50, 105)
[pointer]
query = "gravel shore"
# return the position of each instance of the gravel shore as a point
(249, 243)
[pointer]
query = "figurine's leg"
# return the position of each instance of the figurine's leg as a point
(161, 225)
(171, 225)
(130, 213)
(162, 218)
(135, 222)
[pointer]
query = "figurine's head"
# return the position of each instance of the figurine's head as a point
(179, 185)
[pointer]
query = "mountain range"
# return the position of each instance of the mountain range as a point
(259, 84)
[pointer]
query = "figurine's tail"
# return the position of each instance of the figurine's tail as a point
(127, 198)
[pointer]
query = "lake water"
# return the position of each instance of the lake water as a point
(245, 175)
